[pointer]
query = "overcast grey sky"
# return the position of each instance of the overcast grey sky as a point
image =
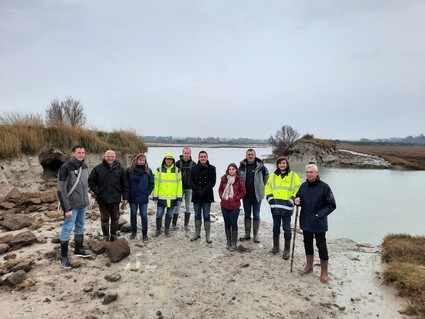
(242, 68)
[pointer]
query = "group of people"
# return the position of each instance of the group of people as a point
(250, 181)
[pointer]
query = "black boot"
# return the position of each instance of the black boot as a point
(174, 224)
(287, 249)
(276, 247)
(79, 249)
(186, 221)
(167, 226)
(158, 226)
(247, 230)
(64, 261)
(228, 238)
(234, 240)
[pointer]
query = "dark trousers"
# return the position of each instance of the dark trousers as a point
(109, 212)
(320, 244)
(230, 217)
(286, 225)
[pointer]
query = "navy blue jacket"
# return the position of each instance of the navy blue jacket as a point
(317, 202)
(140, 185)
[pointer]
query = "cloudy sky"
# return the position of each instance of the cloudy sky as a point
(243, 68)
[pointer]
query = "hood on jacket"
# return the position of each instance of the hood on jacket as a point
(168, 155)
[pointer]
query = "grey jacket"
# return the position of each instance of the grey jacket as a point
(261, 176)
(67, 176)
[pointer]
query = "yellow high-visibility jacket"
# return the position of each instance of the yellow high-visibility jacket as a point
(168, 185)
(280, 192)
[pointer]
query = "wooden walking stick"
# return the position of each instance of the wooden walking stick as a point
(293, 240)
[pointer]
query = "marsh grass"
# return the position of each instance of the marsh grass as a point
(410, 156)
(405, 256)
(31, 138)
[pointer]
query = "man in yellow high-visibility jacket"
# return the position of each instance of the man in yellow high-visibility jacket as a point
(167, 191)
(281, 188)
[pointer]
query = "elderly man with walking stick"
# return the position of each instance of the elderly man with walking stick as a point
(317, 201)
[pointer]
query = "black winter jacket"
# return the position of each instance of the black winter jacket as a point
(317, 202)
(202, 181)
(109, 183)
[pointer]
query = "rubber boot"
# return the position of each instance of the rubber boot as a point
(113, 238)
(276, 247)
(158, 226)
(79, 249)
(324, 276)
(207, 226)
(198, 224)
(256, 226)
(309, 266)
(167, 226)
(233, 241)
(228, 238)
(186, 221)
(64, 261)
(287, 249)
(174, 224)
(247, 230)
(105, 228)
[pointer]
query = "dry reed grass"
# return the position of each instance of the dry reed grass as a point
(406, 269)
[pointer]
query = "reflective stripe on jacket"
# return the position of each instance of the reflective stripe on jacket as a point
(280, 192)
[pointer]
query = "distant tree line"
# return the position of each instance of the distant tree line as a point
(203, 140)
(420, 139)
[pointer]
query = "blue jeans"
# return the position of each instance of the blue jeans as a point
(202, 209)
(251, 204)
(143, 209)
(77, 219)
(230, 217)
(187, 195)
(160, 211)
(286, 225)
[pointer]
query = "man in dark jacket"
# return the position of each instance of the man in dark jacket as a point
(202, 180)
(317, 201)
(185, 164)
(108, 181)
(73, 197)
(255, 175)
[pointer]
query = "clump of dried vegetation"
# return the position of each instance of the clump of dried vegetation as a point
(405, 256)
(28, 135)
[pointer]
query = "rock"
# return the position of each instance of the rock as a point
(109, 298)
(118, 250)
(56, 239)
(51, 159)
(14, 195)
(9, 256)
(126, 228)
(15, 210)
(121, 222)
(25, 266)
(4, 248)
(54, 214)
(113, 277)
(22, 239)
(18, 221)
(49, 196)
(98, 247)
(7, 205)
(16, 278)
(6, 238)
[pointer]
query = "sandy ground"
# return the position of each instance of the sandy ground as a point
(184, 279)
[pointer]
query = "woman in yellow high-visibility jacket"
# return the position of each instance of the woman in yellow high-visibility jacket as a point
(281, 188)
(167, 191)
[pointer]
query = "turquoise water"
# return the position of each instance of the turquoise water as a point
(370, 203)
